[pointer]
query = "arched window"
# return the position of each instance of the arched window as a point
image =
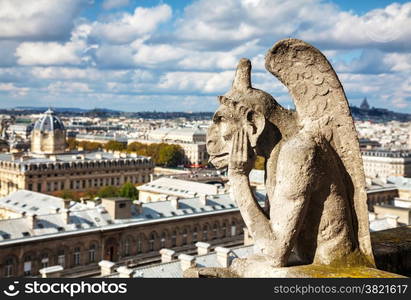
(215, 231)
(163, 240)
(9, 267)
(92, 253)
(76, 256)
(27, 268)
(139, 245)
(233, 228)
(174, 239)
(61, 258)
(224, 230)
(126, 247)
(151, 242)
(44, 260)
(184, 237)
(195, 235)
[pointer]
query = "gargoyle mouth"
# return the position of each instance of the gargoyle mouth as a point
(219, 161)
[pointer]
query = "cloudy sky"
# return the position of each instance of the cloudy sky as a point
(179, 55)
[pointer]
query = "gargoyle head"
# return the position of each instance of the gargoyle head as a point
(243, 107)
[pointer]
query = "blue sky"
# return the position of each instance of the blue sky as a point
(179, 55)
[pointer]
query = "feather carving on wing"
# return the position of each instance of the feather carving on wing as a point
(321, 103)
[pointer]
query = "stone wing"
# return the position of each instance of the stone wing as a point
(320, 98)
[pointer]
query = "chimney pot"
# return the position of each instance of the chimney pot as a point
(203, 248)
(186, 261)
(124, 272)
(106, 267)
(223, 256)
(167, 255)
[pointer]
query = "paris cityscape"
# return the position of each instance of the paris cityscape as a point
(104, 165)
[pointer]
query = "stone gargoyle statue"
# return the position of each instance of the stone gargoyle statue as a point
(316, 207)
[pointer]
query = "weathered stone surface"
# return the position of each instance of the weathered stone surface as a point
(315, 181)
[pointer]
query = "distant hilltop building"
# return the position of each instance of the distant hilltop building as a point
(364, 104)
(48, 167)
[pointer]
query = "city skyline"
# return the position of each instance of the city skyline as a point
(179, 55)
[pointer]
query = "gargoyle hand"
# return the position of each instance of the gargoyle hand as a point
(241, 160)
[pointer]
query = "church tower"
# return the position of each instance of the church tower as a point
(48, 135)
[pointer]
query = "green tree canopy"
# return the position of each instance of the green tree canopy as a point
(115, 146)
(169, 155)
(259, 163)
(108, 191)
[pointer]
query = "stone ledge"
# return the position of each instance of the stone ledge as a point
(391, 248)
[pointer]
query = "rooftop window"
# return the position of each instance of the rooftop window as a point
(25, 233)
(5, 236)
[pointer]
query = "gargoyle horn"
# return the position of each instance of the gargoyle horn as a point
(242, 79)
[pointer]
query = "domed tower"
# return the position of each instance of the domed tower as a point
(48, 135)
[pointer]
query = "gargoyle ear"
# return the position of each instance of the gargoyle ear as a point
(242, 79)
(255, 125)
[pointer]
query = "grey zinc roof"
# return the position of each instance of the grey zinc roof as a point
(173, 269)
(177, 187)
(70, 157)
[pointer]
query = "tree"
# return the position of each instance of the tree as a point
(90, 146)
(169, 155)
(107, 192)
(128, 190)
(139, 148)
(115, 146)
(72, 143)
(259, 163)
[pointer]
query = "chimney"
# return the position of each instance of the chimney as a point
(106, 267)
(84, 200)
(124, 272)
(51, 272)
(203, 199)
(392, 220)
(66, 203)
(223, 256)
(186, 261)
(32, 219)
(139, 206)
(66, 216)
(174, 202)
(167, 255)
(203, 248)
(371, 216)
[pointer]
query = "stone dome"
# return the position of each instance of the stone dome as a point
(48, 135)
(49, 122)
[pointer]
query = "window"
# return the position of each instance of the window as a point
(195, 235)
(61, 258)
(151, 242)
(92, 253)
(185, 237)
(126, 247)
(215, 231)
(174, 239)
(163, 240)
(224, 230)
(8, 268)
(139, 246)
(27, 266)
(233, 229)
(76, 256)
(122, 205)
(205, 233)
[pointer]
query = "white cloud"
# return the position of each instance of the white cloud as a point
(130, 27)
(110, 4)
(54, 53)
(13, 90)
(70, 87)
(38, 20)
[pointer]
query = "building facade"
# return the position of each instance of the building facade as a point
(49, 168)
(77, 236)
(385, 163)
